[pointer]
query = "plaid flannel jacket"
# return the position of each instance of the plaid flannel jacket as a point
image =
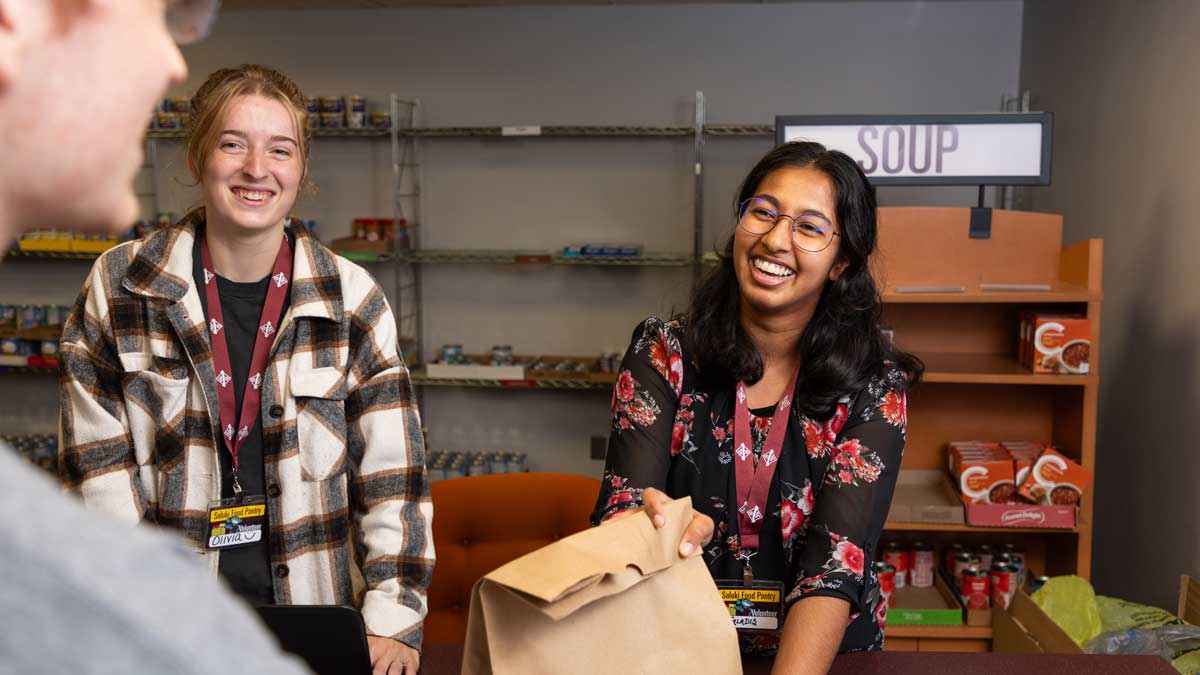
(350, 521)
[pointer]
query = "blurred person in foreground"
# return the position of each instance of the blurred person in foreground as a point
(84, 594)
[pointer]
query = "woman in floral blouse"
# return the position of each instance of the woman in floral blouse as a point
(791, 300)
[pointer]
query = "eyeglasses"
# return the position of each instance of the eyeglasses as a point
(810, 233)
(190, 20)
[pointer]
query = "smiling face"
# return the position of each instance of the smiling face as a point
(777, 277)
(253, 174)
(77, 84)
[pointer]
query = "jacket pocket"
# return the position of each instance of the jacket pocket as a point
(320, 396)
(156, 399)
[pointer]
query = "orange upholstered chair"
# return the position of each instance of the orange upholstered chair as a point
(483, 522)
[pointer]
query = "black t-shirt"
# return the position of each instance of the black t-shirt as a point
(247, 569)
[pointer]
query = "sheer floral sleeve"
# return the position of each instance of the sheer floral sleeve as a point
(856, 491)
(645, 399)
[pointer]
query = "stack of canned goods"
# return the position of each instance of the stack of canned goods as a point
(609, 362)
(452, 355)
(983, 576)
(986, 576)
(172, 113)
(41, 449)
(445, 465)
(343, 112)
(502, 355)
(14, 318)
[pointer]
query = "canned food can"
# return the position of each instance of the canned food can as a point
(12, 347)
(975, 586)
(8, 316)
(478, 467)
(31, 316)
(887, 582)
(451, 354)
(923, 565)
(54, 315)
(962, 562)
(986, 553)
(331, 120)
(167, 120)
(1039, 581)
(356, 120)
(951, 555)
(358, 103)
(48, 348)
(381, 120)
(1003, 579)
(896, 556)
(1017, 553)
(312, 104)
(314, 120)
(502, 355)
(513, 464)
(333, 104)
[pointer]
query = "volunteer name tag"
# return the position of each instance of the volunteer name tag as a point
(236, 522)
(757, 608)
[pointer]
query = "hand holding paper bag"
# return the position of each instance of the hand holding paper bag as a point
(612, 599)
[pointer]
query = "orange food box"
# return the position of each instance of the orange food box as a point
(986, 480)
(1055, 480)
(1059, 344)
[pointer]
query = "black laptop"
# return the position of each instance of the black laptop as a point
(330, 638)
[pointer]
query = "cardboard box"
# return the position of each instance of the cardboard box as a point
(1025, 629)
(1022, 515)
(1061, 344)
(936, 605)
(1055, 479)
(925, 496)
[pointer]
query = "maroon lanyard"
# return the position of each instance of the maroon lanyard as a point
(276, 292)
(753, 485)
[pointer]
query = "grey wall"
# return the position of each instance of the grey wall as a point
(581, 65)
(1120, 79)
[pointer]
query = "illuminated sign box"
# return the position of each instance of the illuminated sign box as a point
(978, 149)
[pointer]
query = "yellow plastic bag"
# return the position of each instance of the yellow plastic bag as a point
(1071, 602)
(1117, 614)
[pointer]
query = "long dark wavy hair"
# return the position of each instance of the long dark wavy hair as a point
(842, 348)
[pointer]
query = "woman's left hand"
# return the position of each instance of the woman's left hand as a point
(391, 657)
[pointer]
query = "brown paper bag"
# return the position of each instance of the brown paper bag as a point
(612, 599)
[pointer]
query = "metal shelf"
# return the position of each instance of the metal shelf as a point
(739, 130)
(28, 370)
(534, 257)
(419, 378)
(546, 132)
(644, 260)
(551, 131)
(179, 134)
(50, 255)
(478, 256)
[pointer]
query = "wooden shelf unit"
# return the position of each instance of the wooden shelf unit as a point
(974, 387)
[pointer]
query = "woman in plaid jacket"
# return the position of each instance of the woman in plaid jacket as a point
(333, 448)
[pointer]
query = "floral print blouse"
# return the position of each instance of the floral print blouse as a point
(827, 502)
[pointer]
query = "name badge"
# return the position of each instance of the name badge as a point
(236, 522)
(753, 608)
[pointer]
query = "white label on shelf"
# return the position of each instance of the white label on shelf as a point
(521, 131)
